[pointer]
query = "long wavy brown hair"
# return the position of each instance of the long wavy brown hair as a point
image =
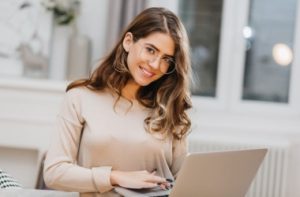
(169, 96)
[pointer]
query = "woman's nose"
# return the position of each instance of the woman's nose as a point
(155, 63)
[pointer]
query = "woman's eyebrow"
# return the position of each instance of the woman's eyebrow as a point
(153, 46)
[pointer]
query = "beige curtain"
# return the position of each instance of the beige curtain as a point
(120, 13)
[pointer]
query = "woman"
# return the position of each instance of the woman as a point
(127, 124)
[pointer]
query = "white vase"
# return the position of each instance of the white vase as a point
(59, 52)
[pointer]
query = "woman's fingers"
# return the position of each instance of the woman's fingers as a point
(149, 185)
(155, 179)
(151, 177)
(165, 185)
(136, 179)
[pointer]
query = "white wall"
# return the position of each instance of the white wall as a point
(27, 116)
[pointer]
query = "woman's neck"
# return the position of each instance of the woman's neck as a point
(130, 90)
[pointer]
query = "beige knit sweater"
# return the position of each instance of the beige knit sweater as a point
(94, 139)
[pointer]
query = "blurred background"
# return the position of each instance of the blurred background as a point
(246, 88)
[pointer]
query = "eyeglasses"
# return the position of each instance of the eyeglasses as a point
(167, 64)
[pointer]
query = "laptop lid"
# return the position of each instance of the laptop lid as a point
(218, 174)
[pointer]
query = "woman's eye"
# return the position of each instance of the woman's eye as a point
(150, 50)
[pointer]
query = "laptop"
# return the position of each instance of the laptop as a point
(213, 174)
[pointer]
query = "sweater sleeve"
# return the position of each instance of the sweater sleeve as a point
(60, 169)
(179, 154)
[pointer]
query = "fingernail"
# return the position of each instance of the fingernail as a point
(169, 180)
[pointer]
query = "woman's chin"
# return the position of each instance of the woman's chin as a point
(144, 83)
(141, 82)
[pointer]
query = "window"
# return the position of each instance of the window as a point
(202, 20)
(269, 50)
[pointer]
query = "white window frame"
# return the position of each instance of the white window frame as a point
(259, 107)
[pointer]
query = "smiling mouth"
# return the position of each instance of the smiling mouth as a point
(146, 72)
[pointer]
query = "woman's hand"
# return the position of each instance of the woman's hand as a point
(136, 179)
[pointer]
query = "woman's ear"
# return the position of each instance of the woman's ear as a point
(127, 41)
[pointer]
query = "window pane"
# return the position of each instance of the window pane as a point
(202, 19)
(269, 51)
